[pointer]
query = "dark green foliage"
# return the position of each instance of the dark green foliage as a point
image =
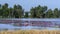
(42, 12)
(15, 12)
(26, 15)
(35, 12)
(56, 13)
(49, 14)
(38, 12)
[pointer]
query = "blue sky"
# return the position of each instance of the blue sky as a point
(27, 4)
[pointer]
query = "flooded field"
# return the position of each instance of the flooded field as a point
(11, 27)
(28, 24)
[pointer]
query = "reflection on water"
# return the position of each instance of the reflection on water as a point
(39, 22)
(11, 27)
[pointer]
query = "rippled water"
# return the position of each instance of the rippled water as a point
(11, 27)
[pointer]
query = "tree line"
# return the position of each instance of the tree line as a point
(44, 12)
(35, 12)
(9, 12)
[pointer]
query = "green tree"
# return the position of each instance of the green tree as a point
(0, 11)
(38, 11)
(59, 13)
(33, 13)
(5, 6)
(56, 13)
(10, 12)
(5, 10)
(49, 14)
(45, 8)
(18, 11)
(0, 5)
(26, 15)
